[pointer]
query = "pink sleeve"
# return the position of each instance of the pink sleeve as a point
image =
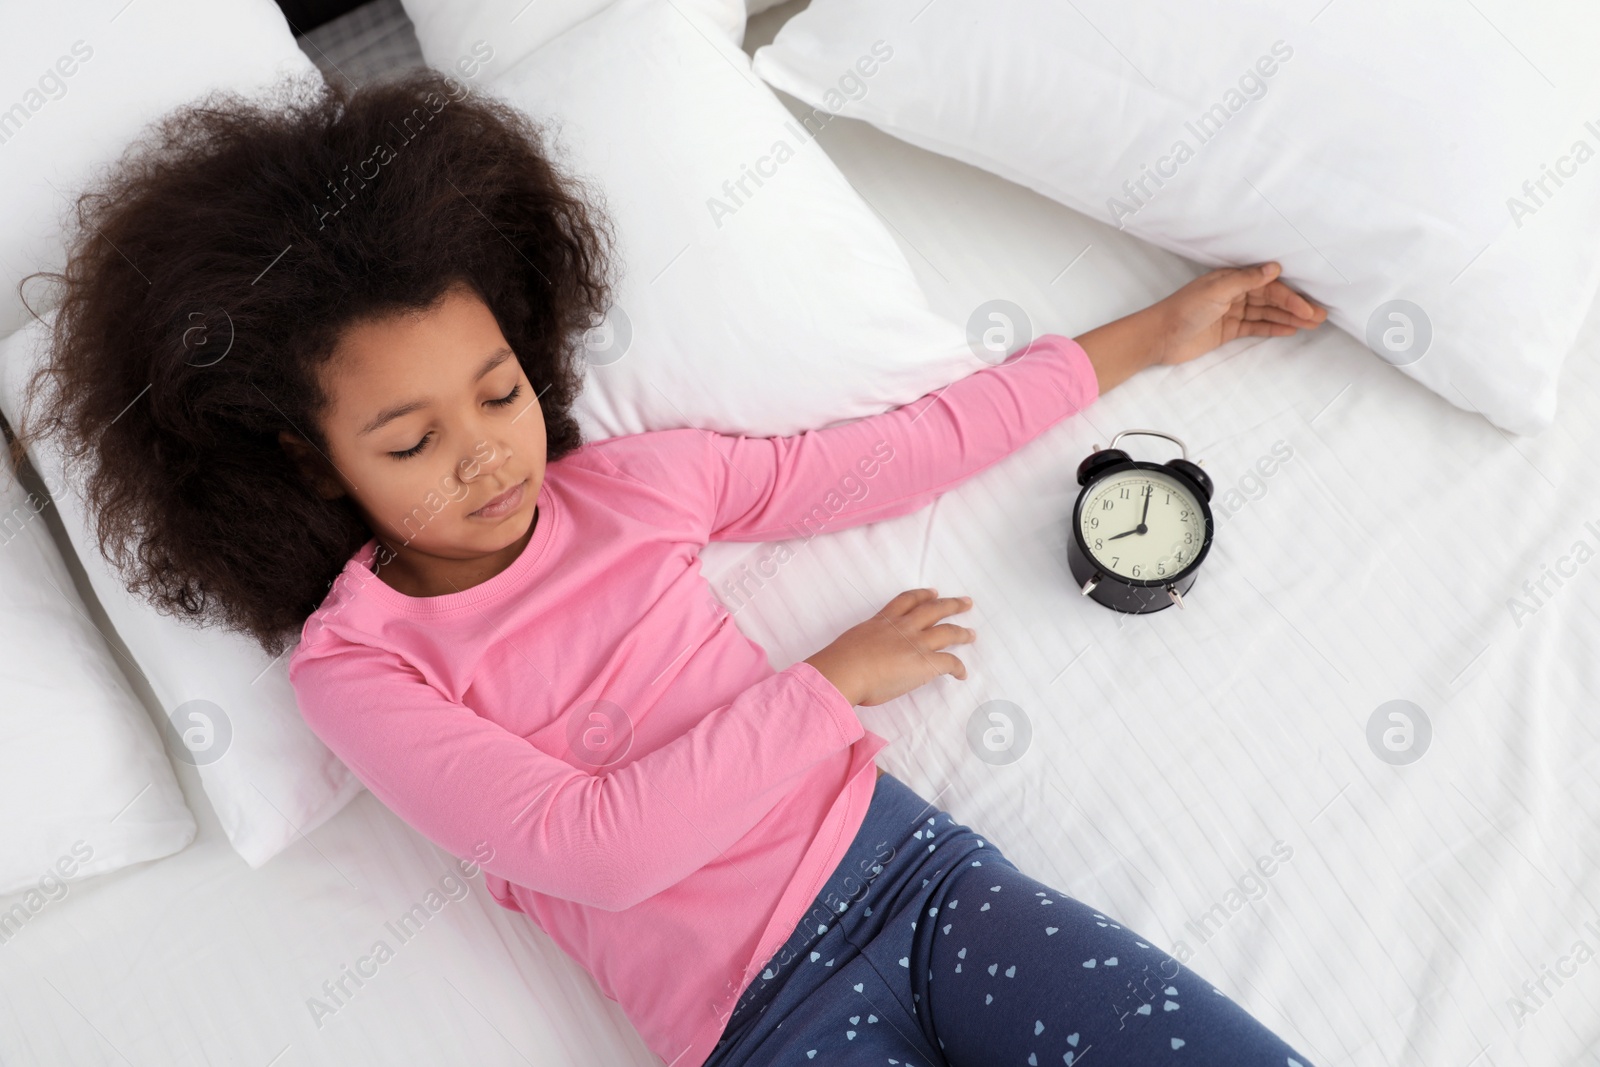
(607, 840)
(775, 488)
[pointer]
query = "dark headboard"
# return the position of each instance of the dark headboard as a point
(306, 15)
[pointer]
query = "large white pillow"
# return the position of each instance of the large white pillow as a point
(775, 309)
(450, 31)
(85, 786)
(798, 311)
(77, 83)
(1379, 151)
(229, 709)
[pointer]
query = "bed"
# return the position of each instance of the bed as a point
(1436, 906)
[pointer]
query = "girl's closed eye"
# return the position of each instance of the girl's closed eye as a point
(498, 402)
(414, 449)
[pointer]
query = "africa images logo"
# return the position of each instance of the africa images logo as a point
(1203, 128)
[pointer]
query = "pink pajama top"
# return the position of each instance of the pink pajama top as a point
(594, 730)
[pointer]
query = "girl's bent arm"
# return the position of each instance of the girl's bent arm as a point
(608, 839)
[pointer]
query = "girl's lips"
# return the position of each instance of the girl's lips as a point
(503, 504)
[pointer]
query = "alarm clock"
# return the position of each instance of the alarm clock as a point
(1139, 530)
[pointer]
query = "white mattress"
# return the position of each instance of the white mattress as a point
(1168, 752)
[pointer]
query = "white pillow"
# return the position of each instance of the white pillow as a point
(85, 787)
(769, 310)
(276, 780)
(453, 31)
(1377, 150)
(77, 83)
(230, 710)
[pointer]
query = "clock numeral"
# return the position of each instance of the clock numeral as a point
(1125, 493)
(1097, 543)
(1114, 560)
(1136, 570)
(1183, 514)
(1094, 523)
(1169, 498)
(1105, 505)
(1161, 568)
(1188, 538)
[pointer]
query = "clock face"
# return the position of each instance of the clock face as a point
(1142, 524)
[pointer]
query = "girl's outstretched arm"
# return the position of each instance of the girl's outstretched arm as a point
(776, 488)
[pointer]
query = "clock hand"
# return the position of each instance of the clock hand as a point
(1141, 528)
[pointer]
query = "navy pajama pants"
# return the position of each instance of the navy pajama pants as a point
(927, 948)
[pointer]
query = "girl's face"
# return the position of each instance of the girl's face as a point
(435, 433)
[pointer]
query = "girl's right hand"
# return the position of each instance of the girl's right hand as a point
(897, 649)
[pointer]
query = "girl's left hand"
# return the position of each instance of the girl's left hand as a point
(1224, 304)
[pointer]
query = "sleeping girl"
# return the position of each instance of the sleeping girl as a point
(502, 628)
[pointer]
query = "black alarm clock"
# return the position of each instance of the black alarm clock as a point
(1139, 530)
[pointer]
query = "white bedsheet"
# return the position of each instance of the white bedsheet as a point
(1168, 752)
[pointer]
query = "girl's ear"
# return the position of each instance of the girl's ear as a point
(312, 465)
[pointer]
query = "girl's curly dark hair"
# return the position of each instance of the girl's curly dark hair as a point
(211, 275)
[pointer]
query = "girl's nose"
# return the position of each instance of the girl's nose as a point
(486, 456)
